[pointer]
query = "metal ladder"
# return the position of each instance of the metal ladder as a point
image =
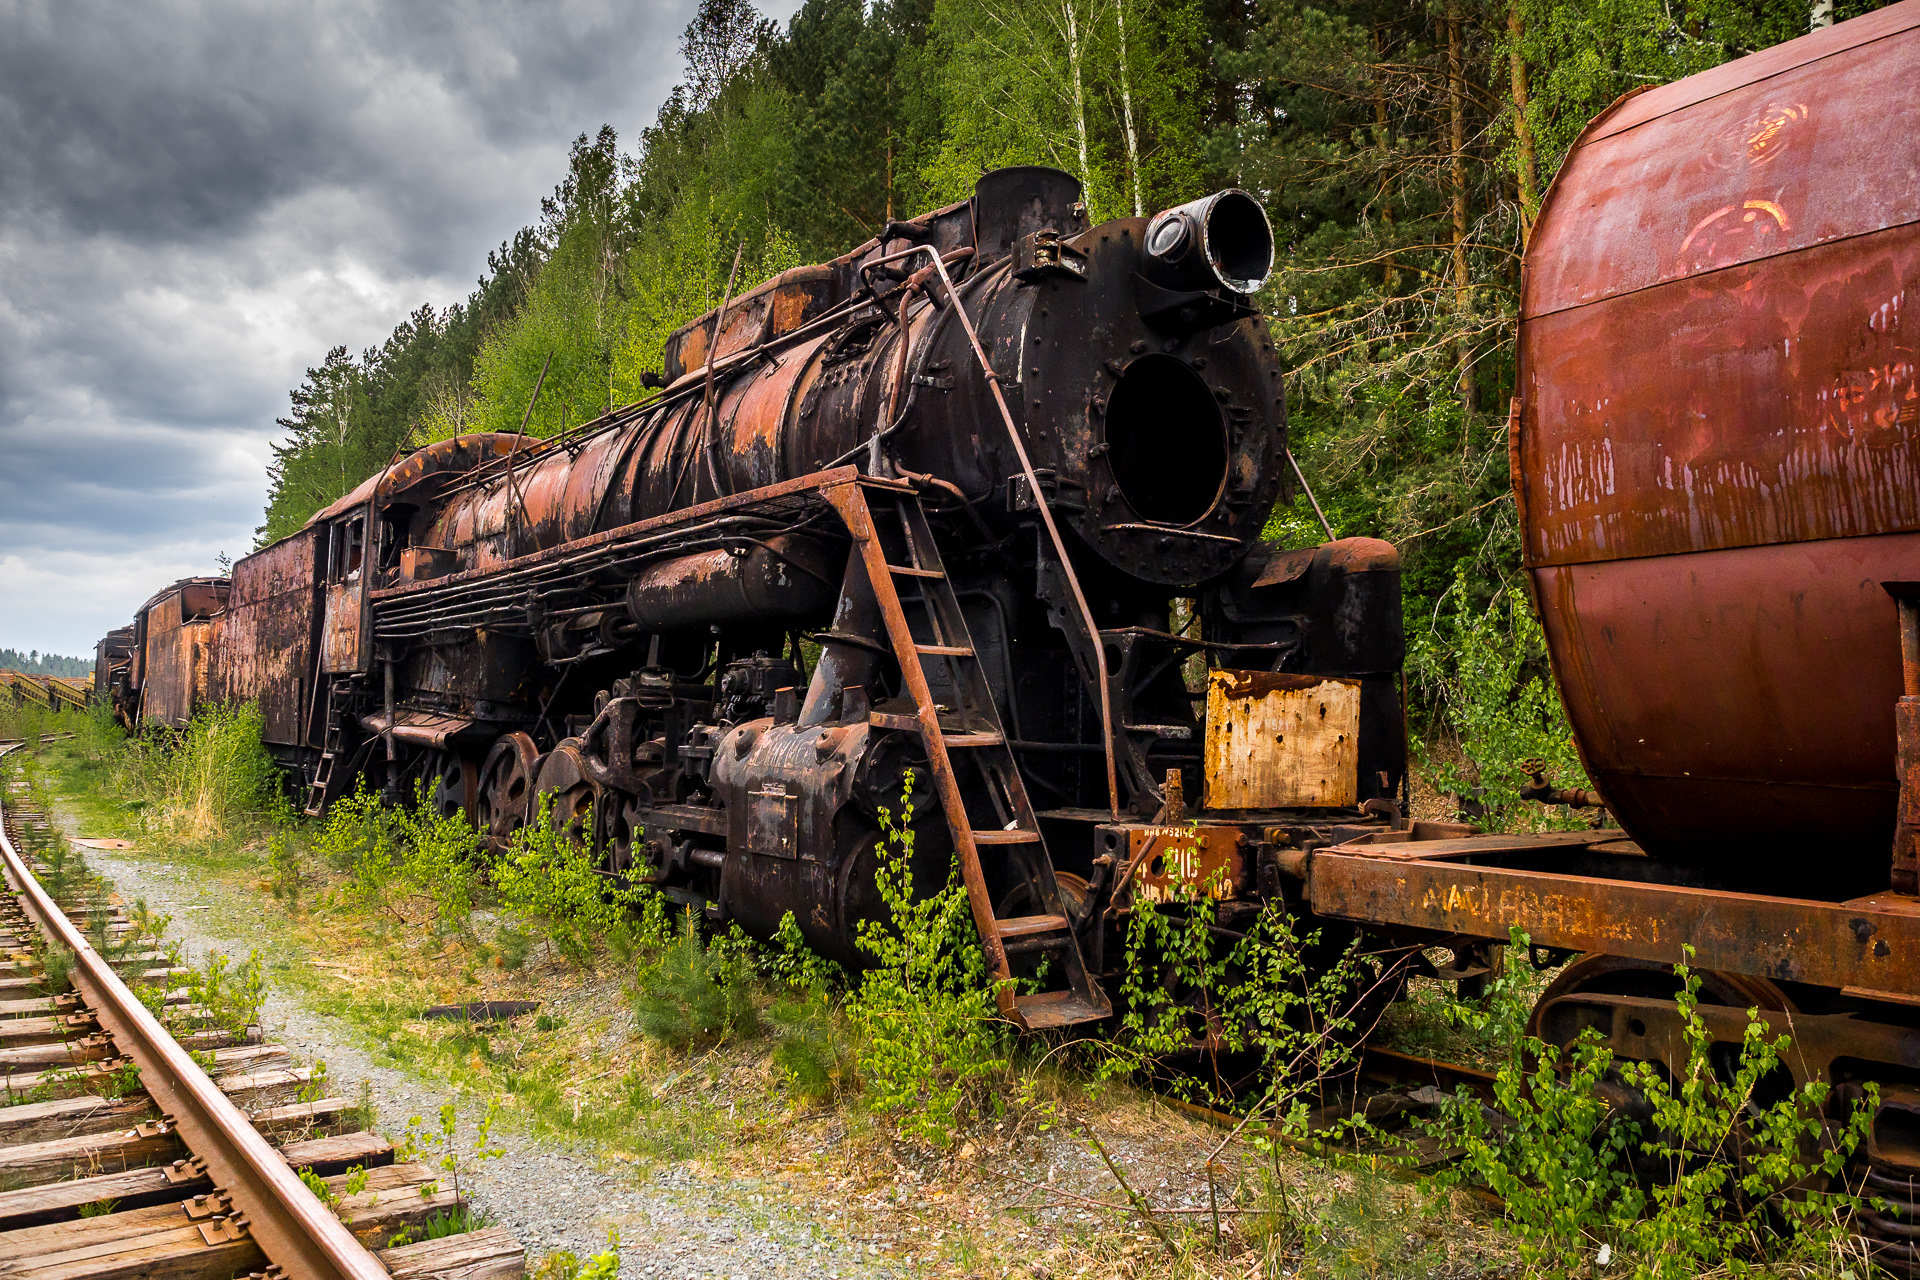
(333, 745)
(897, 543)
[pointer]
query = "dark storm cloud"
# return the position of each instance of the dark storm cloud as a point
(197, 200)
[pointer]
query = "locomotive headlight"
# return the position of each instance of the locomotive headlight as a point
(1219, 241)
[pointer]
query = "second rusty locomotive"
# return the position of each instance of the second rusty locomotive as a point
(939, 526)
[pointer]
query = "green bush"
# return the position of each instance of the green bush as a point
(414, 864)
(230, 995)
(931, 1038)
(692, 994)
(1735, 1174)
(547, 876)
(1299, 1003)
(1485, 676)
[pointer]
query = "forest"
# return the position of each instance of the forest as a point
(35, 663)
(1401, 150)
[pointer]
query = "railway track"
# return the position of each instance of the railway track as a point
(128, 1152)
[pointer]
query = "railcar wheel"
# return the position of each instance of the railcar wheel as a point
(566, 781)
(505, 788)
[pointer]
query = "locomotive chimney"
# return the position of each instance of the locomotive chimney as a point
(1221, 241)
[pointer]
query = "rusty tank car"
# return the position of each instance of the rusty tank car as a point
(1716, 460)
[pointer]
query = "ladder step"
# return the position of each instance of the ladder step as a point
(953, 738)
(1006, 837)
(909, 571)
(973, 739)
(947, 650)
(1051, 1009)
(1027, 926)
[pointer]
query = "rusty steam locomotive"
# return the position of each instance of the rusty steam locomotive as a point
(979, 503)
(922, 511)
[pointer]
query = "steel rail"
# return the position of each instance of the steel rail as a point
(292, 1227)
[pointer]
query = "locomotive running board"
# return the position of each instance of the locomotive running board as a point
(895, 541)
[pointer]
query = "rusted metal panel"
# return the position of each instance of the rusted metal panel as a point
(166, 696)
(342, 627)
(1674, 184)
(1872, 942)
(422, 728)
(1746, 692)
(1208, 859)
(265, 650)
(1281, 741)
(1717, 446)
(1769, 402)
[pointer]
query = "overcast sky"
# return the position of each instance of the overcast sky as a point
(197, 200)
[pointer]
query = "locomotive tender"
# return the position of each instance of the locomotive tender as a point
(979, 503)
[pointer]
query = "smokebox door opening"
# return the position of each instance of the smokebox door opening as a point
(1167, 441)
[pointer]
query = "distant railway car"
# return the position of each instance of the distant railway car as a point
(171, 665)
(113, 670)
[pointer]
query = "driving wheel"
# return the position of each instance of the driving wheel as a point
(566, 781)
(505, 789)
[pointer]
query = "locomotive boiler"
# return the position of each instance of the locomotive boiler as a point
(963, 525)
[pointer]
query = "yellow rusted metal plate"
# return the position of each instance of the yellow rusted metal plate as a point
(1279, 741)
(1199, 859)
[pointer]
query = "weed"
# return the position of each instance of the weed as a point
(97, 1208)
(318, 1185)
(814, 1049)
(798, 966)
(564, 1265)
(546, 1022)
(415, 865)
(231, 995)
(1485, 671)
(931, 1039)
(693, 994)
(514, 945)
(547, 875)
(1298, 1003)
(283, 860)
(56, 968)
(1730, 1167)
(441, 1146)
(123, 1081)
(316, 1086)
(1368, 1229)
(360, 1116)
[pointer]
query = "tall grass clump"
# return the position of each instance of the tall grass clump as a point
(201, 783)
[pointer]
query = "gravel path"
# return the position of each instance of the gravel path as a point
(550, 1195)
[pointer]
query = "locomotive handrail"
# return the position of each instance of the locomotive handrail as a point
(1040, 502)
